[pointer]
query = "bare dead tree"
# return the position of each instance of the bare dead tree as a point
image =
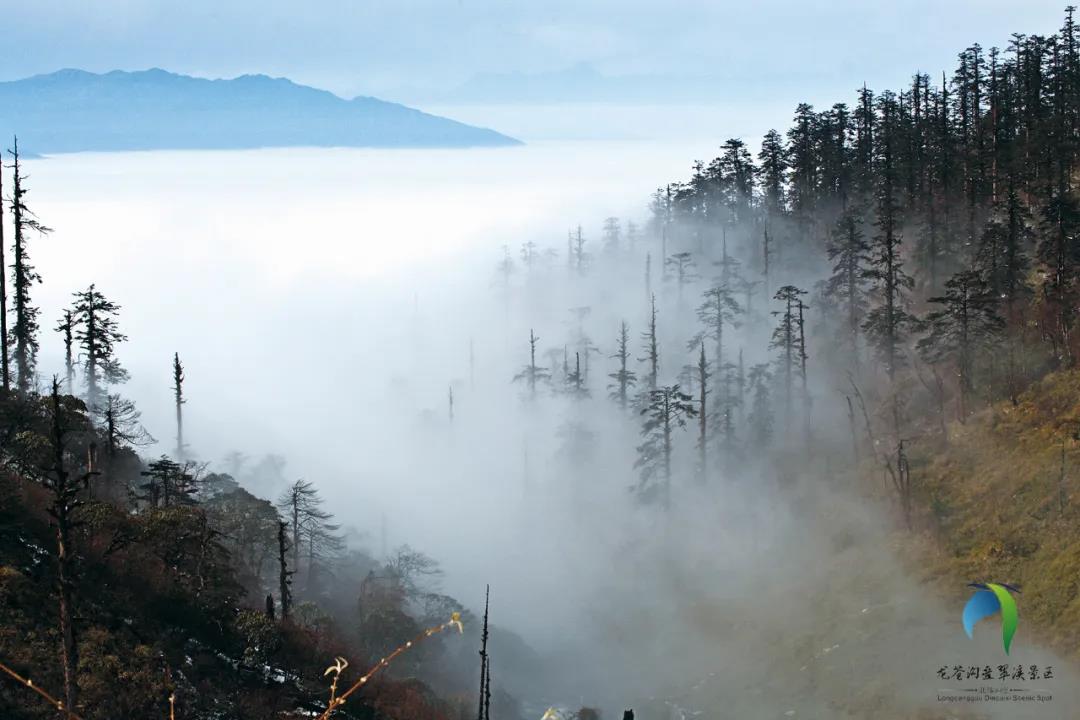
(64, 488)
(178, 397)
(284, 574)
(484, 691)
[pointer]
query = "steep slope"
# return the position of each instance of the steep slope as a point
(73, 111)
(1000, 503)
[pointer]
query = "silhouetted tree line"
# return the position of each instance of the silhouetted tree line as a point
(931, 231)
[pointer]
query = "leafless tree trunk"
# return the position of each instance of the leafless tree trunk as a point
(284, 572)
(65, 491)
(854, 433)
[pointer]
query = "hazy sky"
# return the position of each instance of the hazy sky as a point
(382, 47)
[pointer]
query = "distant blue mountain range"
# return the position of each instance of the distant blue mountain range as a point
(75, 111)
(584, 83)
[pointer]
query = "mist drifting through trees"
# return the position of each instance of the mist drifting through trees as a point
(634, 413)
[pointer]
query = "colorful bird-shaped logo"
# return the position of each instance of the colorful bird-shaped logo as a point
(989, 599)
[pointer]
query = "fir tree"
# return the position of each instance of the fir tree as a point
(788, 337)
(574, 381)
(966, 323)
(651, 347)
(846, 287)
(888, 323)
(506, 266)
(119, 419)
(772, 170)
(529, 255)
(703, 375)
(578, 253)
(761, 412)
(624, 378)
(97, 335)
(719, 309)
(302, 507)
(611, 236)
(666, 411)
(23, 277)
(168, 484)
(632, 235)
(1059, 253)
(532, 373)
(685, 269)
(66, 327)
(729, 401)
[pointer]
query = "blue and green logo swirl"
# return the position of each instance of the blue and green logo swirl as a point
(990, 599)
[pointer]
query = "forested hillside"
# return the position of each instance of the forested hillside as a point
(132, 586)
(919, 253)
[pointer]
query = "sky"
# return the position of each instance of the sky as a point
(413, 47)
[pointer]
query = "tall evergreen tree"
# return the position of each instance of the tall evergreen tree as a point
(97, 334)
(772, 169)
(611, 236)
(5, 355)
(168, 484)
(719, 309)
(684, 268)
(624, 378)
(648, 274)
(532, 373)
(529, 255)
(737, 176)
(666, 411)
(119, 421)
(761, 410)
(703, 375)
(651, 348)
(846, 286)
(506, 267)
(1059, 253)
(23, 277)
(302, 507)
(728, 402)
(888, 323)
(632, 235)
(1003, 257)
(966, 323)
(66, 327)
(580, 256)
(575, 380)
(788, 337)
(803, 180)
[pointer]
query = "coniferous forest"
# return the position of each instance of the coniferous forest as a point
(811, 367)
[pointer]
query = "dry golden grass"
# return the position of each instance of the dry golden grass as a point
(994, 507)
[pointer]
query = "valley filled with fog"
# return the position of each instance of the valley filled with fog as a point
(326, 303)
(562, 361)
